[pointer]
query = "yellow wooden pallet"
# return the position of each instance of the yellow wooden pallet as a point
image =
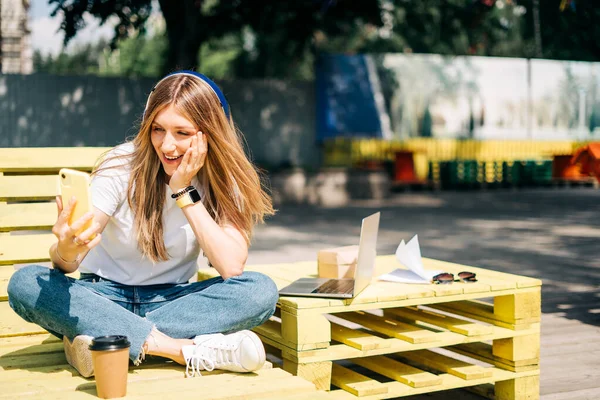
(397, 331)
(34, 367)
(410, 339)
(32, 362)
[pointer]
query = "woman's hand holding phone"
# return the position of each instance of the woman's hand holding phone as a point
(72, 242)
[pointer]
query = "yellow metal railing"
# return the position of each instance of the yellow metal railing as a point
(349, 152)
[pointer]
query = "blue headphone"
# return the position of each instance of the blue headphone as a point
(213, 86)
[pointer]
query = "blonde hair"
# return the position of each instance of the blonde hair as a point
(233, 191)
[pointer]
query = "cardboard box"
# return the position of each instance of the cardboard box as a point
(336, 271)
(338, 262)
(338, 255)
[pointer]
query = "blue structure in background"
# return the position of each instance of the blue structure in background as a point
(345, 98)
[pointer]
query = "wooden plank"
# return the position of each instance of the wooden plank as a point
(6, 272)
(449, 290)
(525, 349)
(483, 352)
(356, 338)
(398, 389)
(298, 303)
(305, 329)
(484, 312)
(272, 331)
(447, 364)
(398, 371)
(18, 342)
(342, 351)
(409, 291)
(22, 249)
(376, 292)
(12, 362)
(301, 396)
(66, 381)
(13, 325)
(230, 387)
(318, 373)
(457, 325)
(470, 307)
(347, 307)
(26, 159)
(388, 291)
(25, 346)
(485, 390)
(355, 383)
(169, 382)
(519, 306)
(28, 187)
(400, 330)
(520, 388)
(488, 275)
(27, 216)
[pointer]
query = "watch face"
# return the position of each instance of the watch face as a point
(194, 195)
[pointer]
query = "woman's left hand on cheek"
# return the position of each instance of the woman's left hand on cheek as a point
(192, 162)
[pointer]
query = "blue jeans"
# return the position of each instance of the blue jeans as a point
(96, 307)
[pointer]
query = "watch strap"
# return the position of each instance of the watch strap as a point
(188, 198)
(181, 192)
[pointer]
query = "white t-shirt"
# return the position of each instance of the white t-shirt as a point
(117, 257)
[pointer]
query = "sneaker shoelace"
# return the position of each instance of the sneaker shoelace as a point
(210, 355)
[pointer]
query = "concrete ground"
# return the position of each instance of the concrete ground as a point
(551, 234)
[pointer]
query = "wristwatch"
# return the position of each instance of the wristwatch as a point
(187, 196)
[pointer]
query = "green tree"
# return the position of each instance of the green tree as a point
(281, 39)
(138, 56)
(283, 30)
(503, 28)
(80, 61)
(566, 34)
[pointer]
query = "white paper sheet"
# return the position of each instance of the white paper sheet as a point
(409, 255)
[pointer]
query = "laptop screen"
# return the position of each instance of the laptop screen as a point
(367, 252)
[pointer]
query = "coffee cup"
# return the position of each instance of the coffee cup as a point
(110, 356)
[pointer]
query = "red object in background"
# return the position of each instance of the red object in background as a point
(404, 167)
(563, 168)
(589, 158)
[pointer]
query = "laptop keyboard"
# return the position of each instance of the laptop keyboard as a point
(336, 286)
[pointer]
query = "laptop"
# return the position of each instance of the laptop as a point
(344, 288)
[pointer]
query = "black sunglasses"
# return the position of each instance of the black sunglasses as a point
(446, 278)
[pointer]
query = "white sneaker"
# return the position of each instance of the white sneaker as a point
(78, 354)
(238, 352)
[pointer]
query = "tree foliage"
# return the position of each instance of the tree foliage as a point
(282, 31)
(280, 39)
(571, 33)
(138, 56)
(82, 60)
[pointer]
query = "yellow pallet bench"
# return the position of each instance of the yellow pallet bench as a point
(408, 339)
(32, 362)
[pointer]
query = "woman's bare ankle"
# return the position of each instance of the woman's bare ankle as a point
(159, 344)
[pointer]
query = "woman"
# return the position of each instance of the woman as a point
(182, 188)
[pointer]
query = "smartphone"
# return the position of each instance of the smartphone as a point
(76, 183)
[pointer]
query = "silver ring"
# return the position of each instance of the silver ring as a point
(76, 241)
